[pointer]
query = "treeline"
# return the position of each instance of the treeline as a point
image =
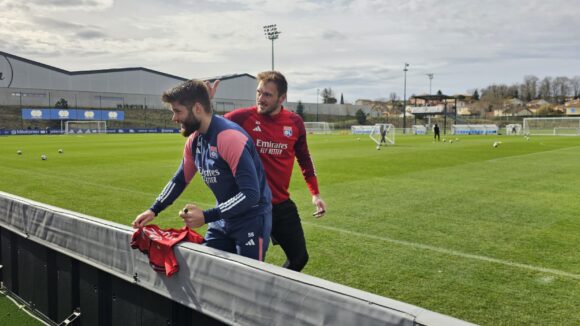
(554, 90)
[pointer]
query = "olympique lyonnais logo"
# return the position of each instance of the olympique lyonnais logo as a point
(287, 131)
(213, 152)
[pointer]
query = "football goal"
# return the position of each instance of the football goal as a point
(557, 126)
(383, 134)
(513, 129)
(85, 127)
(319, 127)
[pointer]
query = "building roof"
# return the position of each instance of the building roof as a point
(230, 76)
(434, 97)
(88, 72)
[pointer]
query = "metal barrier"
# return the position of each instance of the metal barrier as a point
(67, 265)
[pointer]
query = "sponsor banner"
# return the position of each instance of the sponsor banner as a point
(71, 114)
(36, 114)
(29, 132)
(9, 132)
(63, 114)
(89, 115)
(361, 130)
(113, 115)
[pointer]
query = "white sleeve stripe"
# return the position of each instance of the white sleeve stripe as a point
(232, 202)
(166, 191)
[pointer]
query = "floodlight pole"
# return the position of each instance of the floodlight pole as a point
(430, 75)
(405, 99)
(272, 33)
(317, 91)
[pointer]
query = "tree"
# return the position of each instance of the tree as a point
(300, 109)
(328, 96)
(439, 92)
(575, 83)
(545, 91)
(529, 88)
(476, 95)
(361, 117)
(341, 99)
(561, 87)
(61, 104)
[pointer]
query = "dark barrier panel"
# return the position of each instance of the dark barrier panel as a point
(57, 260)
(54, 285)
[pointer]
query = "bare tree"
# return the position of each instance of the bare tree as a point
(561, 88)
(328, 96)
(529, 88)
(575, 83)
(545, 91)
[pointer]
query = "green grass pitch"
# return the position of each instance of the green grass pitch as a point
(489, 235)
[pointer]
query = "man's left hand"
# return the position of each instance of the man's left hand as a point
(320, 206)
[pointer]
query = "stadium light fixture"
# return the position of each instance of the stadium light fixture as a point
(430, 75)
(405, 69)
(271, 32)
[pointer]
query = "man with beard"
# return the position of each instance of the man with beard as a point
(280, 137)
(226, 158)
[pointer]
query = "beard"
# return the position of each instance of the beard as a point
(264, 109)
(190, 125)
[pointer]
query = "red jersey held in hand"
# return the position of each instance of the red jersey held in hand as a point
(158, 244)
(279, 139)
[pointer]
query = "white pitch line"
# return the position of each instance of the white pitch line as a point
(451, 252)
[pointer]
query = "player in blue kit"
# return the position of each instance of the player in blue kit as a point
(226, 158)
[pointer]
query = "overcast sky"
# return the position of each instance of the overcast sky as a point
(355, 47)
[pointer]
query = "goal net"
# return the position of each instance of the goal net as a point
(85, 127)
(560, 126)
(383, 134)
(319, 127)
(513, 129)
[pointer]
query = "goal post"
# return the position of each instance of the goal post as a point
(553, 126)
(85, 127)
(319, 127)
(383, 134)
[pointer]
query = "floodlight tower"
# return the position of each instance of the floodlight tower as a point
(271, 32)
(430, 75)
(317, 92)
(405, 69)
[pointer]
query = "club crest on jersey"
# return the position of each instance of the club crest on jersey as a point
(213, 152)
(287, 131)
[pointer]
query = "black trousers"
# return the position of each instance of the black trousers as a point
(288, 233)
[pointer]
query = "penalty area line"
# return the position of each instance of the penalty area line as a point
(451, 252)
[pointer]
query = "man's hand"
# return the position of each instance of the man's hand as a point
(142, 219)
(212, 88)
(192, 216)
(320, 206)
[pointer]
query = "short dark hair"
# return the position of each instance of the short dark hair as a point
(275, 77)
(188, 93)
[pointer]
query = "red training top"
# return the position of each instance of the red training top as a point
(158, 243)
(279, 139)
